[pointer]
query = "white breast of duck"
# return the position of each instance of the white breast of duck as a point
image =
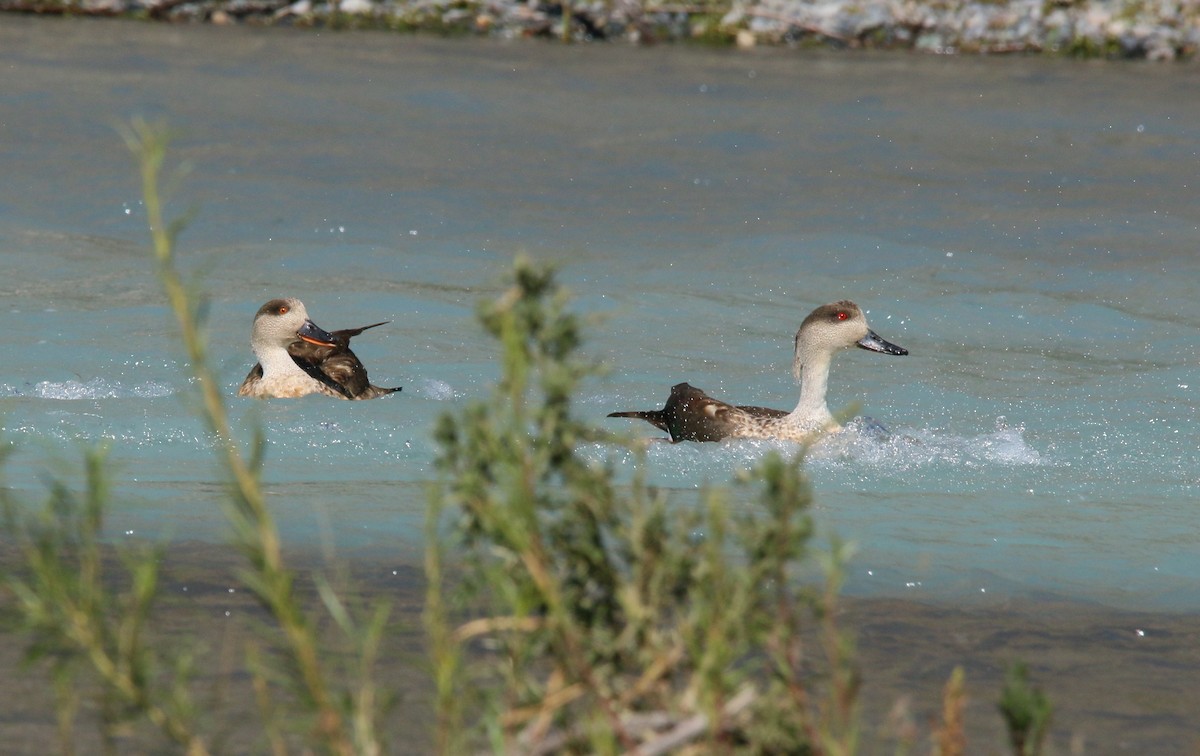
(277, 324)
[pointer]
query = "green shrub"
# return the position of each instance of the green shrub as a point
(615, 619)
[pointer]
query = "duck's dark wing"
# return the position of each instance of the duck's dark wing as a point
(343, 336)
(254, 376)
(692, 415)
(337, 366)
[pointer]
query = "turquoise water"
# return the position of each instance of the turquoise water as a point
(1030, 243)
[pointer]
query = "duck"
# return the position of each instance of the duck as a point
(691, 414)
(296, 357)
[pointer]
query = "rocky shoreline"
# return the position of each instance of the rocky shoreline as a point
(1137, 29)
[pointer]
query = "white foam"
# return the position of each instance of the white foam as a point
(862, 444)
(437, 390)
(915, 448)
(98, 388)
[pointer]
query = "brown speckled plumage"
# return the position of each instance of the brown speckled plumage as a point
(692, 415)
(297, 358)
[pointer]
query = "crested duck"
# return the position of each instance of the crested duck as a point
(692, 415)
(296, 357)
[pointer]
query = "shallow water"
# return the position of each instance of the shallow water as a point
(1026, 228)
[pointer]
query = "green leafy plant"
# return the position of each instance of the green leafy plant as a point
(1026, 711)
(344, 722)
(613, 619)
(89, 633)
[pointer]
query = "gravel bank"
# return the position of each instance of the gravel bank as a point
(1148, 29)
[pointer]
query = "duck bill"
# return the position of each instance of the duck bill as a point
(873, 342)
(314, 334)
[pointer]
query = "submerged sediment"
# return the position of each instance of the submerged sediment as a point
(1150, 29)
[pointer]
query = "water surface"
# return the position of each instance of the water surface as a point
(1026, 228)
(1033, 247)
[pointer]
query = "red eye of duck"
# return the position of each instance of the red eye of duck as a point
(282, 309)
(842, 315)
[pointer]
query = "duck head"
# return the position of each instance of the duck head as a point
(281, 322)
(833, 327)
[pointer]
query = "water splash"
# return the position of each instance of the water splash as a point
(99, 388)
(862, 445)
(908, 449)
(435, 389)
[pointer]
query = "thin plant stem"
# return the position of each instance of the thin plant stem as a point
(253, 523)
